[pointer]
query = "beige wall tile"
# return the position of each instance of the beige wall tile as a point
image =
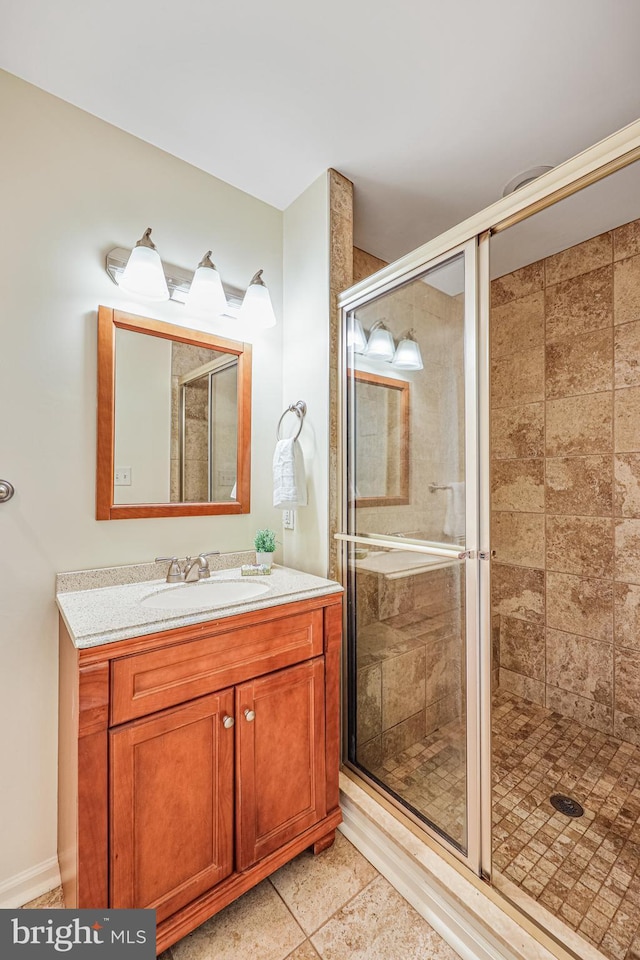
(627, 727)
(403, 735)
(627, 615)
(579, 485)
(403, 687)
(626, 240)
(518, 378)
(518, 485)
(580, 606)
(370, 754)
(580, 665)
(443, 669)
(577, 365)
(627, 354)
(517, 432)
(313, 888)
(443, 711)
(627, 550)
(579, 425)
(628, 681)
(517, 592)
(522, 686)
(394, 596)
(627, 420)
(580, 545)
(518, 538)
(627, 486)
(582, 258)
(520, 283)
(369, 702)
(592, 714)
(626, 290)
(522, 647)
(574, 307)
(517, 325)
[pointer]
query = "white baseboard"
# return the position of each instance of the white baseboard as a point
(472, 924)
(29, 884)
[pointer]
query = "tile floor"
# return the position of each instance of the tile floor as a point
(586, 870)
(335, 906)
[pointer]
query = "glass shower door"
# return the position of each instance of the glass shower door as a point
(410, 551)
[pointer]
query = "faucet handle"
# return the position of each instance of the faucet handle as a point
(174, 573)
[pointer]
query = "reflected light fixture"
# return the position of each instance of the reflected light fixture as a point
(407, 355)
(356, 339)
(256, 309)
(380, 345)
(143, 274)
(206, 298)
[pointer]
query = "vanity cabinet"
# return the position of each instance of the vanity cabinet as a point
(196, 761)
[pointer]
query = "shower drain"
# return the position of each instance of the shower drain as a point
(566, 805)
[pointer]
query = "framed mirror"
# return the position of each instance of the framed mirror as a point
(174, 420)
(381, 458)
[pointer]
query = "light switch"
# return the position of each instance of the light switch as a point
(122, 477)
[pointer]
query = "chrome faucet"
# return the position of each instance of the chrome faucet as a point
(194, 569)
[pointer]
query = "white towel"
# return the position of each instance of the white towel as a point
(289, 480)
(454, 512)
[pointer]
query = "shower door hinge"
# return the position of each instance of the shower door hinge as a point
(486, 554)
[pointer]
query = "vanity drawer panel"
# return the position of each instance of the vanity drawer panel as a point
(147, 682)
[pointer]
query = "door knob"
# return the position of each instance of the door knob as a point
(250, 714)
(6, 491)
(227, 722)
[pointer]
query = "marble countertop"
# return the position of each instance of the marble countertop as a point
(106, 614)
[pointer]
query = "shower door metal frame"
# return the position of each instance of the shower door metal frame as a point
(478, 639)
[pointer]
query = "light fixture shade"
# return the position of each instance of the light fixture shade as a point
(407, 355)
(256, 309)
(143, 274)
(380, 345)
(206, 295)
(356, 339)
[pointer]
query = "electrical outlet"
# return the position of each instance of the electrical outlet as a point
(289, 519)
(122, 477)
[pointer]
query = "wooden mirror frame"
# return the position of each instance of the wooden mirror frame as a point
(402, 386)
(110, 320)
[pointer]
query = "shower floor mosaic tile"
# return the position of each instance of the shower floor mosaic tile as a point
(584, 870)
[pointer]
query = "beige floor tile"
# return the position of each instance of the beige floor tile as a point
(379, 925)
(315, 887)
(305, 951)
(258, 925)
(52, 900)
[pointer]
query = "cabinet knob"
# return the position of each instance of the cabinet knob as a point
(250, 714)
(227, 722)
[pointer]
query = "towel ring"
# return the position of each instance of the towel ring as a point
(300, 409)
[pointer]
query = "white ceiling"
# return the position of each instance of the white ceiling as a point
(429, 107)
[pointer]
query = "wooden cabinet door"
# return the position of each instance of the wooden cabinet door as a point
(171, 785)
(280, 764)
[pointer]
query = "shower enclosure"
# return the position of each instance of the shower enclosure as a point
(490, 536)
(412, 538)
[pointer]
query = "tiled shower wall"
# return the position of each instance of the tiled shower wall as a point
(565, 486)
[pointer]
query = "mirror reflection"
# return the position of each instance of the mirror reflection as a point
(176, 421)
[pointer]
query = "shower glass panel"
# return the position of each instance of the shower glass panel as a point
(410, 518)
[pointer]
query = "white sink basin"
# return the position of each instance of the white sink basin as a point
(204, 594)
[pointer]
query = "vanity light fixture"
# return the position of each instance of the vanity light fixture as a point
(256, 309)
(380, 345)
(407, 355)
(143, 274)
(206, 298)
(356, 338)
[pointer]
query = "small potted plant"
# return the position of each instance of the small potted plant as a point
(265, 544)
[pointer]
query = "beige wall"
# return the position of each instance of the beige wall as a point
(72, 187)
(565, 389)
